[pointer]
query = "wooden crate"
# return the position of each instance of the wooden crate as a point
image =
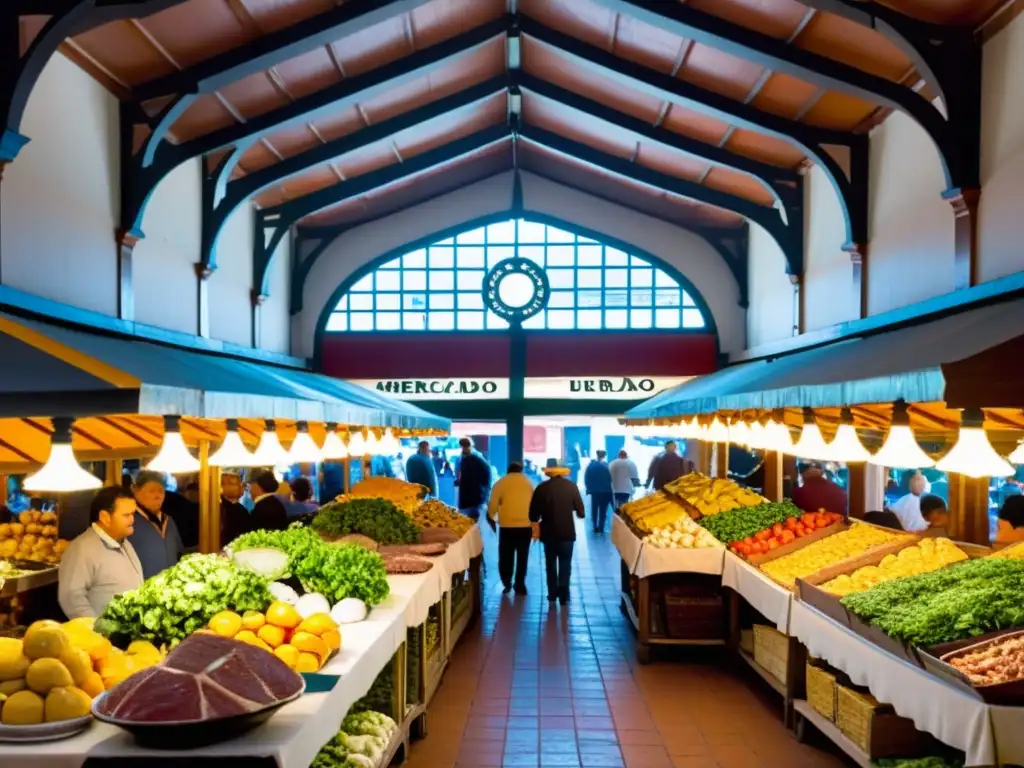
(747, 641)
(821, 691)
(876, 728)
(771, 651)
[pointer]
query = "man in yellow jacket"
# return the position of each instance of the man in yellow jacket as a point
(510, 506)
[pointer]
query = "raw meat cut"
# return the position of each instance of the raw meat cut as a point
(406, 564)
(426, 550)
(205, 678)
(444, 535)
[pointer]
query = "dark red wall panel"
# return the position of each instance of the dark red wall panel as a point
(620, 354)
(415, 355)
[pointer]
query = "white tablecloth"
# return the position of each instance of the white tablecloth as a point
(767, 597)
(988, 735)
(295, 734)
(644, 560)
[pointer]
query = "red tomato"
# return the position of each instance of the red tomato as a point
(824, 522)
(744, 548)
(807, 520)
(777, 529)
(773, 544)
(792, 523)
(787, 536)
(800, 531)
(763, 535)
(756, 548)
(749, 540)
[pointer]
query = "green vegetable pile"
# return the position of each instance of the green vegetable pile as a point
(964, 600)
(381, 694)
(361, 743)
(738, 524)
(172, 605)
(917, 762)
(332, 570)
(379, 519)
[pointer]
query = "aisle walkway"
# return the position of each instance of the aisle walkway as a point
(533, 685)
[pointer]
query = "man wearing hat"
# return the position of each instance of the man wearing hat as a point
(553, 505)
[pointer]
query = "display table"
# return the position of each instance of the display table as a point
(645, 561)
(627, 543)
(293, 736)
(768, 598)
(989, 735)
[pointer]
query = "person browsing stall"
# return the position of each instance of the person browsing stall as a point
(668, 466)
(234, 517)
(156, 539)
(818, 492)
(553, 504)
(598, 481)
(908, 508)
(625, 478)
(419, 468)
(268, 511)
(474, 481)
(510, 506)
(101, 563)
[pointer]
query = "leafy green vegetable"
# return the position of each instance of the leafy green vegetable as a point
(917, 762)
(175, 603)
(961, 601)
(363, 739)
(738, 524)
(379, 519)
(269, 563)
(332, 570)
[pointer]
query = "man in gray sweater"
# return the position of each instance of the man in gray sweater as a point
(100, 563)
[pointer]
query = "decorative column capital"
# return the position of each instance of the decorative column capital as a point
(257, 298)
(964, 201)
(203, 271)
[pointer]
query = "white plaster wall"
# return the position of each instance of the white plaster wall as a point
(59, 199)
(691, 255)
(275, 314)
(230, 286)
(772, 312)
(828, 271)
(1001, 214)
(911, 249)
(166, 293)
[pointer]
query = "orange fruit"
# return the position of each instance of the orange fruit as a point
(332, 639)
(283, 615)
(226, 623)
(253, 620)
(307, 663)
(93, 684)
(308, 643)
(248, 636)
(289, 654)
(317, 624)
(271, 635)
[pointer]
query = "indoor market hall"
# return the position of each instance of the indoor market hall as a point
(535, 684)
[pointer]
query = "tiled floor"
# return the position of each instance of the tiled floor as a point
(536, 685)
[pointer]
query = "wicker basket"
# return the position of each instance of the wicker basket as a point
(821, 692)
(771, 651)
(876, 729)
(747, 641)
(854, 713)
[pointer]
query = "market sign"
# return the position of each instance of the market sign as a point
(600, 387)
(439, 389)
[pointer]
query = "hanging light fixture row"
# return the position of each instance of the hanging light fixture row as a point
(972, 455)
(63, 474)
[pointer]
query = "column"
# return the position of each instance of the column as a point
(968, 509)
(965, 237)
(516, 385)
(126, 242)
(859, 261)
(721, 460)
(772, 476)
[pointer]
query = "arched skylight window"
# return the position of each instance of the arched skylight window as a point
(440, 287)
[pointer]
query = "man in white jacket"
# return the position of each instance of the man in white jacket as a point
(510, 506)
(625, 478)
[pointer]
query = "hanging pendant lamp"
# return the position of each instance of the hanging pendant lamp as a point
(174, 457)
(270, 452)
(232, 452)
(846, 446)
(334, 447)
(900, 448)
(810, 445)
(61, 473)
(304, 449)
(973, 454)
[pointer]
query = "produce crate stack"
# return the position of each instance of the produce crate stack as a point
(771, 651)
(414, 668)
(821, 690)
(694, 610)
(876, 729)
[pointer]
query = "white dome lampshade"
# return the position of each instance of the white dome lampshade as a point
(270, 452)
(304, 449)
(777, 437)
(846, 445)
(232, 452)
(973, 454)
(61, 472)
(811, 444)
(334, 447)
(739, 433)
(389, 445)
(900, 448)
(174, 457)
(1017, 457)
(756, 436)
(716, 432)
(357, 445)
(372, 443)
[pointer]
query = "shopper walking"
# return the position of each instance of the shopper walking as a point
(668, 466)
(553, 504)
(510, 507)
(625, 478)
(420, 468)
(474, 480)
(598, 483)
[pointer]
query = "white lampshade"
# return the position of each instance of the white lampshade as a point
(232, 453)
(974, 456)
(777, 437)
(270, 452)
(357, 445)
(334, 447)
(1017, 457)
(846, 446)
(811, 444)
(304, 449)
(62, 472)
(389, 444)
(756, 436)
(372, 443)
(739, 433)
(901, 450)
(716, 432)
(174, 457)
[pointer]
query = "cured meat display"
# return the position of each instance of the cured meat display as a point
(998, 662)
(204, 678)
(407, 564)
(425, 550)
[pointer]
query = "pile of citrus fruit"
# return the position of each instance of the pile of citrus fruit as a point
(55, 671)
(305, 645)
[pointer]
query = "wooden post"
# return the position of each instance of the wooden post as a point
(772, 476)
(721, 459)
(968, 509)
(112, 476)
(209, 501)
(856, 491)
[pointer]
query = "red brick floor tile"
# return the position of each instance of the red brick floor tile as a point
(484, 734)
(692, 761)
(643, 738)
(646, 756)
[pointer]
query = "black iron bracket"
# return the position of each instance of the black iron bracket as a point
(734, 248)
